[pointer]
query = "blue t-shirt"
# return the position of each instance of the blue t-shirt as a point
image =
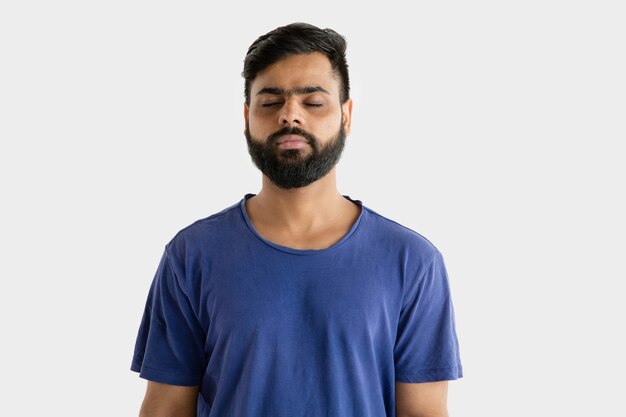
(268, 330)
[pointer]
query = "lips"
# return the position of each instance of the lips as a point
(291, 138)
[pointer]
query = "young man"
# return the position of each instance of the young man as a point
(298, 300)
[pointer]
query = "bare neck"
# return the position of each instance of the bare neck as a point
(299, 210)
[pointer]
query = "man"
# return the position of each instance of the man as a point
(297, 301)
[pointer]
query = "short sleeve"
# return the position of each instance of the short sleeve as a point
(426, 347)
(169, 346)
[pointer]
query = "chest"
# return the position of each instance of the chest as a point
(301, 300)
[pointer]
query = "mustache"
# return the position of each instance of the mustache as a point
(271, 140)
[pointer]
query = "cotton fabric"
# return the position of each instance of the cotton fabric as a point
(268, 330)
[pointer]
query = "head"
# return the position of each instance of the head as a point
(296, 39)
(297, 108)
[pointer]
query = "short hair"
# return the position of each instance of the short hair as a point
(294, 39)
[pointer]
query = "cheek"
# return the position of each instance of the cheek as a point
(255, 127)
(333, 125)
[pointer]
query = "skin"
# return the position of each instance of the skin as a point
(164, 400)
(312, 217)
(315, 216)
(427, 399)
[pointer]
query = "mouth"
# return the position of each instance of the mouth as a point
(291, 141)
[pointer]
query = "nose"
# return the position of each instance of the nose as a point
(290, 114)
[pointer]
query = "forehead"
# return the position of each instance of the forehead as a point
(298, 71)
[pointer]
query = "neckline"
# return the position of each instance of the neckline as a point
(287, 249)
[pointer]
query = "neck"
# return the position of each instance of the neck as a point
(300, 209)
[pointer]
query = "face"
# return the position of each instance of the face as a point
(295, 124)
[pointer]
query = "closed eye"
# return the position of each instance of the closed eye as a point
(313, 104)
(270, 104)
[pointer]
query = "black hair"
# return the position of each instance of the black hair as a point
(293, 39)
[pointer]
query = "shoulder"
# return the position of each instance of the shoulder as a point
(394, 234)
(204, 233)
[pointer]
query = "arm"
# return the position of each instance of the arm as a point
(164, 400)
(428, 399)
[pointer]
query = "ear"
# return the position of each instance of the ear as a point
(246, 113)
(346, 108)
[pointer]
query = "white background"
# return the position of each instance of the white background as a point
(493, 128)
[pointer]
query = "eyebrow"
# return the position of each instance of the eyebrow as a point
(277, 91)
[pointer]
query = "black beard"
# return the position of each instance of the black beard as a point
(288, 168)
